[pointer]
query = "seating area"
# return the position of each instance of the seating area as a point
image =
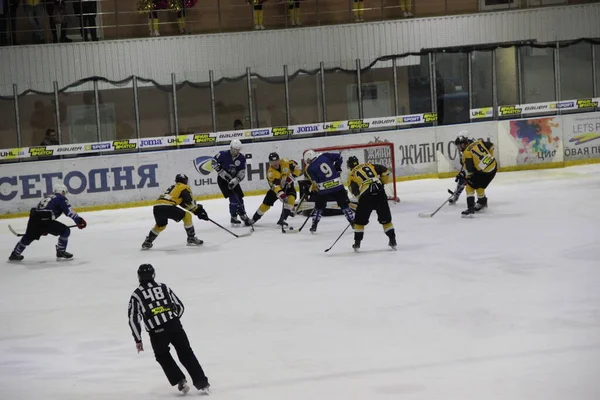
(50, 21)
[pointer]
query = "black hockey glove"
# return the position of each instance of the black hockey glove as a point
(81, 223)
(461, 178)
(338, 167)
(201, 213)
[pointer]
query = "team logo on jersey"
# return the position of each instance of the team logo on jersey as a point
(203, 165)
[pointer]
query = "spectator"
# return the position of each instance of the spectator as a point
(35, 13)
(359, 8)
(51, 138)
(406, 8)
(237, 125)
(294, 12)
(8, 14)
(86, 11)
(181, 6)
(56, 10)
(257, 12)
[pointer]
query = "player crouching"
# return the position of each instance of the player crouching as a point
(280, 176)
(479, 169)
(366, 182)
(166, 208)
(43, 221)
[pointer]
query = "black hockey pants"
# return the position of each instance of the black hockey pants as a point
(172, 333)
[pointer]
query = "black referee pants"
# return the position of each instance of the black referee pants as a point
(172, 333)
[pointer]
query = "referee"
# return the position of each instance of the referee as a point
(160, 309)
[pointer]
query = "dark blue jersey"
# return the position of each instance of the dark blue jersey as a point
(324, 172)
(229, 167)
(55, 205)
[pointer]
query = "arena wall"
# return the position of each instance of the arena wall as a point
(135, 179)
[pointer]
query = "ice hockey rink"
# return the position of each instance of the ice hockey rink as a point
(503, 306)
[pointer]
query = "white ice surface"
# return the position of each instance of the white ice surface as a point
(504, 306)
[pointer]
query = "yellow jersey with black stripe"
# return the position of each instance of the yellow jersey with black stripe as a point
(178, 194)
(278, 177)
(477, 157)
(363, 176)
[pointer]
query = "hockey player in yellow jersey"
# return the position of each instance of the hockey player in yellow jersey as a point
(174, 204)
(479, 169)
(366, 182)
(281, 177)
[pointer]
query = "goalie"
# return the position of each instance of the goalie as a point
(366, 182)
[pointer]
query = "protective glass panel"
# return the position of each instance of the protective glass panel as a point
(481, 75)
(506, 76)
(231, 104)
(452, 88)
(37, 115)
(576, 71)
(268, 99)
(194, 108)
(537, 74)
(341, 95)
(305, 99)
(156, 111)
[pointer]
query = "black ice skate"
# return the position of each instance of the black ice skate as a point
(205, 390)
(356, 246)
(183, 387)
(481, 204)
(147, 244)
(15, 257)
(282, 223)
(194, 241)
(235, 223)
(392, 243)
(468, 212)
(454, 199)
(63, 255)
(313, 227)
(247, 221)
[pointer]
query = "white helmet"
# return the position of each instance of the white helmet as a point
(309, 155)
(60, 188)
(235, 144)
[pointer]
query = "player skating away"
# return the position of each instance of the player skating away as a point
(168, 207)
(366, 182)
(280, 176)
(43, 221)
(323, 171)
(479, 169)
(230, 165)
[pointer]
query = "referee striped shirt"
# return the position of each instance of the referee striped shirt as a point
(155, 304)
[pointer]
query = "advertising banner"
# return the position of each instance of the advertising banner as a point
(530, 141)
(581, 136)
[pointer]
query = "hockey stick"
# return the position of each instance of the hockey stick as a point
(305, 221)
(10, 228)
(339, 237)
(295, 210)
(425, 215)
(228, 231)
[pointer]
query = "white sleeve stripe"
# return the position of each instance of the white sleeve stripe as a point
(133, 315)
(177, 302)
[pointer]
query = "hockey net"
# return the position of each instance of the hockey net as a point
(374, 153)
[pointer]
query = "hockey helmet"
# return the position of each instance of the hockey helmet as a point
(462, 141)
(59, 188)
(273, 156)
(146, 273)
(352, 162)
(309, 156)
(182, 178)
(235, 144)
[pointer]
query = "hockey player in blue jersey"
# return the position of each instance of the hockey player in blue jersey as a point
(43, 221)
(230, 165)
(323, 170)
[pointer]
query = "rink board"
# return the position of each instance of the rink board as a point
(138, 178)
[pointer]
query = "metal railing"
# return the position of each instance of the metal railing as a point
(78, 20)
(444, 86)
